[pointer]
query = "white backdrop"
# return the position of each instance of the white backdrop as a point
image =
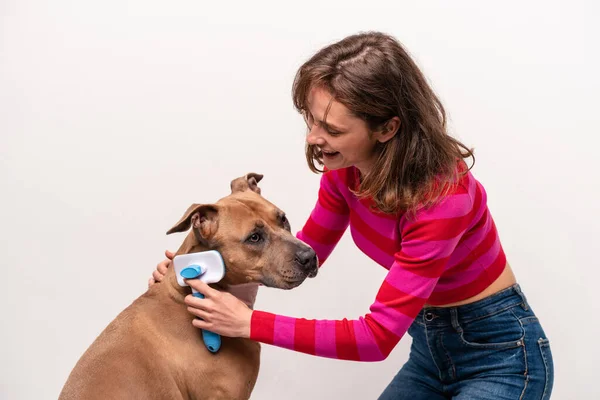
(116, 115)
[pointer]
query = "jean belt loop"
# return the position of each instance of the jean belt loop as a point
(454, 319)
(524, 303)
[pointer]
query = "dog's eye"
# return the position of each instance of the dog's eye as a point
(285, 223)
(254, 238)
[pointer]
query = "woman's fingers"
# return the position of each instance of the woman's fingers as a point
(163, 266)
(203, 288)
(205, 305)
(157, 276)
(199, 313)
(198, 323)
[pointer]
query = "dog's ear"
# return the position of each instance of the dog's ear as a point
(202, 217)
(249, 181)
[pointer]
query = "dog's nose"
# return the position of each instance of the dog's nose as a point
(307, 260)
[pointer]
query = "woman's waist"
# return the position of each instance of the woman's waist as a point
(505, 280)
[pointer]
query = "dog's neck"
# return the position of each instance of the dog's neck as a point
(245, 292)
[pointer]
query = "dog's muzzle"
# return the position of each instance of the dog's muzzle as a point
(306, 259)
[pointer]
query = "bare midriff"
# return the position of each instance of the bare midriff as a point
(505, 280)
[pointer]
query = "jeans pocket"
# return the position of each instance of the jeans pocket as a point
(544, 345)
(496, 332)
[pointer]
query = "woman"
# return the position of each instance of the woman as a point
(395, 176)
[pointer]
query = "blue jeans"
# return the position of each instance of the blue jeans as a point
(494, 348)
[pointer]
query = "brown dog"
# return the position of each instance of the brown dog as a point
(152, 351)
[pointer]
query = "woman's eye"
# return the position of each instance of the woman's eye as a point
(254, 238)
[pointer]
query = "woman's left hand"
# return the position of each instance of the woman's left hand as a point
(221, 312)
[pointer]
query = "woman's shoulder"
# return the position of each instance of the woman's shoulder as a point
(347, 177)
(459, 200)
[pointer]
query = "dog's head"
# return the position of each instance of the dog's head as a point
(253, 236)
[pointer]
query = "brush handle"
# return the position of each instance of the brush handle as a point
(211, 339)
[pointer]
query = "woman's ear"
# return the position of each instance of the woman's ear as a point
(390, 128)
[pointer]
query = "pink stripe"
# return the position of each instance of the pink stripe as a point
(325, 339)
(410, 283)
(366, 344)
(470, 274)
(464, 248)
(430, 249)
(284, 328)
(323, 251)
(367, 247)
(330, 220)
(331, 185)
(482, 207)
(384, 226)
(392, 319)
(453, 206)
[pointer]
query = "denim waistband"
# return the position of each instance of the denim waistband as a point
(500, 301)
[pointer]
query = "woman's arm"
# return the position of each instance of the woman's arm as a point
(427, 243)
(328, 220)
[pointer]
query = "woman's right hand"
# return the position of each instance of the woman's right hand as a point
(161, 269)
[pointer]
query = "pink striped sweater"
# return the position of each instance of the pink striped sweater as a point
(444, 254)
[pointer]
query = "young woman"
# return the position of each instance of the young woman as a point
(395, 176)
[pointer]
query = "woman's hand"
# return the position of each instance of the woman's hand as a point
(221, 312)
(161, 269)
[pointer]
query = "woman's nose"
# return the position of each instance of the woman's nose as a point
(313, 137)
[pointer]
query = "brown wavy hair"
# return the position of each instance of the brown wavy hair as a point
(376, 79)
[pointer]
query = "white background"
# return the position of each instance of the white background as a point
(116, 115)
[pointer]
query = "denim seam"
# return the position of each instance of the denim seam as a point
(492, 313)
(448, 356)
(504, 345)
(531, 319)
(525, 357)
(542, 342)
(524, 304)
(524, 387)
(498, 346)
(431, 353)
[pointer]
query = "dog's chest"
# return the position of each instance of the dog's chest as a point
(229, 374)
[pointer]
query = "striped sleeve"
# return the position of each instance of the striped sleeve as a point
(328, 220)
(428, 240)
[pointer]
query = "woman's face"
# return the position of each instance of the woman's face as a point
(344, 139)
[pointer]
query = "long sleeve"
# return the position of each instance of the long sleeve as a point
(427, 243)
(328, 220)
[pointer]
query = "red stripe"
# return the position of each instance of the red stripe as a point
(477, 252)
(304, 335)
(386, 340)
(345, 340)
(352, 183)
(460, 186)
(384, 243)
(331, 203)
(321, 234)
(404, 302)
(485, 279)
(442, 229)
(425, 268)
(345, 175)
(262, 326)
(438, 229)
